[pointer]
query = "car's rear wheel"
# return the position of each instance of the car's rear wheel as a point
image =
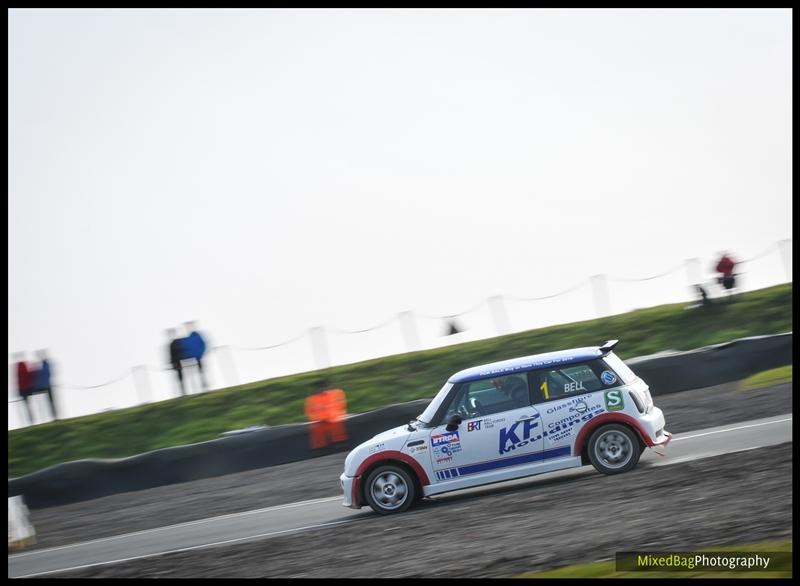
(389, 489)
(614, 448)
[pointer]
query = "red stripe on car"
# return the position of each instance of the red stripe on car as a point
(386, 455)
(593, 423)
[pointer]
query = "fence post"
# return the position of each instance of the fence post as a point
(21, 532)
(602, 305)
(693, 271)
(785, 246)
(409, 329)
(500, 315)
(142, 383)
(320, 347)
(229, 365)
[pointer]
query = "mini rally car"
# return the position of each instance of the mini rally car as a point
(507, 420)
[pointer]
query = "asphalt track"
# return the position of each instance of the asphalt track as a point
(323, 513)
(319, 477)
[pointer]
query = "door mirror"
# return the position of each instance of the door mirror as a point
(453, 422)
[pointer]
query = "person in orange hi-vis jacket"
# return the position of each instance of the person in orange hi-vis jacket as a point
(326, 410)
(336, 413)
(315, 409)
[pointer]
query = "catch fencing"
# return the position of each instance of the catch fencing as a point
(222, 359)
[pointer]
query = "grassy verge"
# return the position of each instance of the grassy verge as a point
(606, 569)
(376, 383)
(768, 378)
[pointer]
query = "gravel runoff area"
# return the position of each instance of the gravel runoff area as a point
(737, 498)
(319, 477)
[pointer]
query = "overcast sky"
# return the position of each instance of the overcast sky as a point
(268, 171)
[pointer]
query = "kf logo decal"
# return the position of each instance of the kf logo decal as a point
(509, 435)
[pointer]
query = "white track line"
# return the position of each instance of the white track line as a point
(193, 547)
(186, 524)
(702, 456)
(685, 437)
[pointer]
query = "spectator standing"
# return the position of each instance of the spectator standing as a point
(194, 348)
(725, 267)
(24, 382)
(42, 380)
(175, 354)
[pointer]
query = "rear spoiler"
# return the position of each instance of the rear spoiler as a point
(608, 346)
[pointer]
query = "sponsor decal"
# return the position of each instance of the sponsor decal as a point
(608, 377)
(517, 435)
(474, 425)
(490, 423)
(614, 400)
(445, 438)
(415, 449)
(523, 433)
(496, 464)
(445, 445)
(580, 407)
(446, 451)
(377, 448)
(564, 404)
(560, 435)
(570, 419)
(445, 460)
(572, 387)
(527, 366)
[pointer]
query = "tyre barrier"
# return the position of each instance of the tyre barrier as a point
(665, 372)
(672, 372)
(89, 479)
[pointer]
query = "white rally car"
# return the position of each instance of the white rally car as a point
(507, 420)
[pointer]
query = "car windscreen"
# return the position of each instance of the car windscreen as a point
(433, 406)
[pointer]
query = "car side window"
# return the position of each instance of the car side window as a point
(489, 396)
(565, 381)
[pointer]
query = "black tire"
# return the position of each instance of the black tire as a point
(614, 448)
(383, 488)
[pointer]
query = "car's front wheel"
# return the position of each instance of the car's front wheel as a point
(614, 448)
(389, 489)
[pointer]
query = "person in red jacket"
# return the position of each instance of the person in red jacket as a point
(25, 382)
(725, 267)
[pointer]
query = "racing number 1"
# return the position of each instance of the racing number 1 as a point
(543, 386)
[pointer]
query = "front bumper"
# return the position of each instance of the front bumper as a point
(651, 426)
(348, 483)
(662, 439)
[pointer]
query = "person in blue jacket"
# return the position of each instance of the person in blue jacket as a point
(42, 380)
(194, 348)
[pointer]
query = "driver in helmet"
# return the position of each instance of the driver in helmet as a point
(514, 388)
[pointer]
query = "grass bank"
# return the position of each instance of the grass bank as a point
(393, 379)
(768, 378)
